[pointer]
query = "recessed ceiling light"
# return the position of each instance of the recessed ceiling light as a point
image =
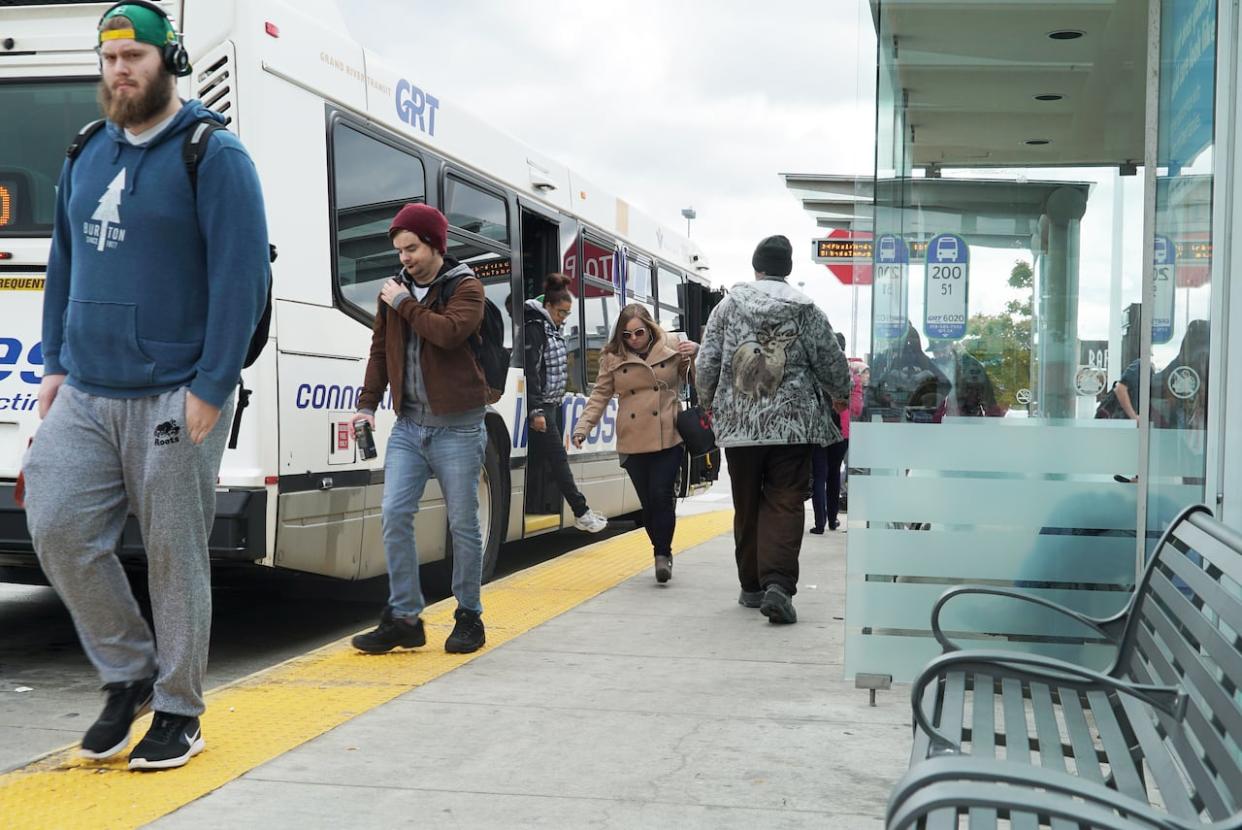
(1036, 142)
(1066, 34)
(1049, 96)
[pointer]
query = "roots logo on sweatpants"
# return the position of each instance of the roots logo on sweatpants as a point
(104, 231)
(167, 433)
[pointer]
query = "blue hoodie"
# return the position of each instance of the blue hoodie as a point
(146, 290)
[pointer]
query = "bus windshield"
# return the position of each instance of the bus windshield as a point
(40, 120)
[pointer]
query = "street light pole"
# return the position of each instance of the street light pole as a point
(689, 214)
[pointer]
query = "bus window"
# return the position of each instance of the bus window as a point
(471, 209)
(668, 283)
(671, 319)
(638, 280)
(372, 181)
(600, 310)
(49, 113)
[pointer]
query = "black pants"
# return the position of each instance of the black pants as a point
(769, 488)
(826, 482)
(654, 474)
(549, 446)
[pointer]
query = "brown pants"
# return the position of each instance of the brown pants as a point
(770, 485)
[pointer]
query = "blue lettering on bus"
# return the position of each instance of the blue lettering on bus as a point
(416, 108)
(332, 397)
(11, 350)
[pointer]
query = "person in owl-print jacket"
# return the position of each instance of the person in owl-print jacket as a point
(644, 367)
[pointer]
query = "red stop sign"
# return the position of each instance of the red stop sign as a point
(851, 274)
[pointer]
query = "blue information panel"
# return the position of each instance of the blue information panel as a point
(946, 288)
(1164, 289)
(888, 304)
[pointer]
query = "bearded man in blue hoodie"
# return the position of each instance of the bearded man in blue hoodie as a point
(154, 290)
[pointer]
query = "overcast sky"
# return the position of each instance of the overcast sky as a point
(668, 105)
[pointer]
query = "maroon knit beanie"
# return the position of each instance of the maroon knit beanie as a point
(425, 222)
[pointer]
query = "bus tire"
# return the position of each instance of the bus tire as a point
(493, 501)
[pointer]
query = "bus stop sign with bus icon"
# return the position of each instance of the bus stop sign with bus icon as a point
(946, 287)
(892, 262)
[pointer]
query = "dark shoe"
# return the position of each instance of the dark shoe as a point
(834, 524)
(663, 568)
(751, 599)
(777, 606)
(171, 742)
(109, 734)
(391, 633)
(468, 634)
(818, 531)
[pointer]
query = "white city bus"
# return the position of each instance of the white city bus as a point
(341, 139)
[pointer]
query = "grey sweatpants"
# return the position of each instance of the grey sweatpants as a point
(93, 461)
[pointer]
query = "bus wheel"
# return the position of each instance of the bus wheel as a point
(437, 578)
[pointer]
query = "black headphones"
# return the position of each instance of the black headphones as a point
(176, 59)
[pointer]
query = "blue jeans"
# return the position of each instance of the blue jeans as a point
(454, 455)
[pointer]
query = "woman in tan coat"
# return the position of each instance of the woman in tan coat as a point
(644, 367)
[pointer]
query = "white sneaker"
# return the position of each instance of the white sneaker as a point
(591, 522)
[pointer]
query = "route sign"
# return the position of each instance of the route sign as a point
(946, 288)
(1164, 289)
(847, 254)
(888, 301)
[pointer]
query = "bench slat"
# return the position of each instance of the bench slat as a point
(983, 738)
(1200, 776)
(1206, 545)
(921, 741)
(1226, 607)
(951, 718)
(1125, 774)
(1048, 738)
(1197, 723)
(1194, 673)
(1086, 760)
(1155, 751)
(1017, 740)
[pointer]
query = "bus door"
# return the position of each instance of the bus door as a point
(543, 507)
(698, 473)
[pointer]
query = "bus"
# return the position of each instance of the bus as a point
(342, 138)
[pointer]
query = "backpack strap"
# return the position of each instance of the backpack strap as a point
(84, 135)
(195, 147)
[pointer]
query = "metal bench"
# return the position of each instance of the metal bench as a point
(1154, 741)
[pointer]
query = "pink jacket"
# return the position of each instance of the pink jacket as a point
(855, 407)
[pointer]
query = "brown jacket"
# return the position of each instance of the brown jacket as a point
(647, 394)
(452, 376)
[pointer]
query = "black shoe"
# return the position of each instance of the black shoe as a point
(391, 633)
(777, 606)
(468, 634)
(663, 568)
(750, 599)
(109, 734)
(171, 741)
(834, 524)
(818, 531)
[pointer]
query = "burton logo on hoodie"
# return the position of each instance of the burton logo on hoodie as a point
(99, 231)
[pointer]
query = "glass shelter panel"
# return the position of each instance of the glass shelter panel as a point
(1007, 274)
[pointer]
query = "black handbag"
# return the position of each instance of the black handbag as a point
(695, 426)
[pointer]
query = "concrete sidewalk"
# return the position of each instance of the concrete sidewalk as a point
(647, 706)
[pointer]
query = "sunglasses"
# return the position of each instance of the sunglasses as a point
(630, 335)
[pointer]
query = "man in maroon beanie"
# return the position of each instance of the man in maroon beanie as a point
(420, 349)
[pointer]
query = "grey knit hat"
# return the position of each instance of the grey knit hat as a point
(773, 256)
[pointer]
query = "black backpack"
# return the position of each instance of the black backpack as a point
(488, 343)
(192, 150)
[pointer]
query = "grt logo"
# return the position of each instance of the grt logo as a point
(416, 108)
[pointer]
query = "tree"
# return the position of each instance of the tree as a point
(1002, 342)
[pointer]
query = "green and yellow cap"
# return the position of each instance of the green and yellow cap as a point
(148, 26)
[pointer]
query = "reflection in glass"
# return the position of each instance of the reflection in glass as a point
(600, 311)
(477, 211)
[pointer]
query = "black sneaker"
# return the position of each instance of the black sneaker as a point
(468, 634)
(171, 741)
(750, 599)
(391, 633)
(777, 606)
(109, 734)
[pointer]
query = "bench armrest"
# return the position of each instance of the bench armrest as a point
(1032, 668)
(1106, 628)
(950, 783)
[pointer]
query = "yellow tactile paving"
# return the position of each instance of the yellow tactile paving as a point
(269, 713)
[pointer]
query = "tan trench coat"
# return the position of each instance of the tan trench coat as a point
(647, 393)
